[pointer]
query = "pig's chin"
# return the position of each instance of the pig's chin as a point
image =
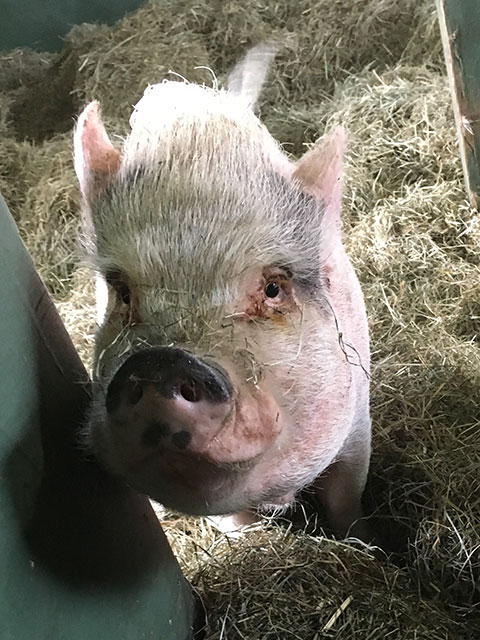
(198, 488)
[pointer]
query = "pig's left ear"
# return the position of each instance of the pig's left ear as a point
(319, 172)
(96, 159)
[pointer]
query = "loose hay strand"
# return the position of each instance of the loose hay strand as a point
(331, 621)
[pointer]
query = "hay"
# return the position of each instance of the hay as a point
(38, 183)
(276, 584)
(376, 67)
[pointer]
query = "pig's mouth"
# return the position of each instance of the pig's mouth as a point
(178, 430)
(239, 465)
(191, 485)
(199, 487)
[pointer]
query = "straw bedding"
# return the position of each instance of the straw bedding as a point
(376, 67)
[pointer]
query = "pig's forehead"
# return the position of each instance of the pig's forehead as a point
(198, 226)
(202, 193)
(179, 229)
(183, 121)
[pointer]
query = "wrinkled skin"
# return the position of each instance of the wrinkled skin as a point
(231, 364)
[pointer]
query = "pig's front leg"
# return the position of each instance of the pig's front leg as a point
(340, 487)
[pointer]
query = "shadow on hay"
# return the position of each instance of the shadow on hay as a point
(40, 86)
(423, 490)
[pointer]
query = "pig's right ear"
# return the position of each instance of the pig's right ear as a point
(248, 76)
(96, 159)
(320, 173)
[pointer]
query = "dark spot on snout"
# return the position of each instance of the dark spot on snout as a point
(155, 431)
(181, 439)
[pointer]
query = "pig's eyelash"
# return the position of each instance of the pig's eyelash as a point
(283, 270)
(306, 282)
(286, 269)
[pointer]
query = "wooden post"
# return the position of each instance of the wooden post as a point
(460, 30)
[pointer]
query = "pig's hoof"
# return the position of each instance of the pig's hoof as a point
(235, 525)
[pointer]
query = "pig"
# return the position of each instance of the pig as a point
(231, 364)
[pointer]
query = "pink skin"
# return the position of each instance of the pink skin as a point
(248, 452)
(224, 434)
(340, 418)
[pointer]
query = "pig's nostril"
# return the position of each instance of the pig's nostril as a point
(135, 393)
(190, 392)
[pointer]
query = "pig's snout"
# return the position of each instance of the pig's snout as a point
(177, 429)
(165, 397)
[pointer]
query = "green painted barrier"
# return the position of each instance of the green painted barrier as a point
(81, 556)
(40, 24)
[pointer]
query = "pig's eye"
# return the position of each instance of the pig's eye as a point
(272, 289)
(273, 296)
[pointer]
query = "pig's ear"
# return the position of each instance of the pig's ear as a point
(248, 76)
(96, 159)
(320, 171)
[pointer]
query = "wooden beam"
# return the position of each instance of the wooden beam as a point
(460, 29)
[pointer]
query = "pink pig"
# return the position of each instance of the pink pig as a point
(231, 364)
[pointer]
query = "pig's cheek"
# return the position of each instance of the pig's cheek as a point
(108, 345)
(97, 437)
(255, 426)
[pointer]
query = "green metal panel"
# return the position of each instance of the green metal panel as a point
(41, 23)
(460, 28)
(81, 556)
